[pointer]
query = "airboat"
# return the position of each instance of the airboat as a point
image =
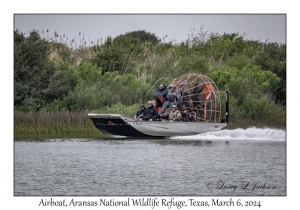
(200, 106)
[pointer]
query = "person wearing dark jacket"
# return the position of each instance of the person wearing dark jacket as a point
(162, 90)
(139, 115)
(173, 98)
(150, 113)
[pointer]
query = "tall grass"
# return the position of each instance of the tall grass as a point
(58, 123)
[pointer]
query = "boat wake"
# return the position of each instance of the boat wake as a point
(240, 134)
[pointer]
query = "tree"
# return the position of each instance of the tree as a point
(143, 36)
(36, 80)
(273, 58)
(117, 54)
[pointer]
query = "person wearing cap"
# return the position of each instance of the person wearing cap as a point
(174, 114)
(139, 115)
(150, 113)
(173, 98)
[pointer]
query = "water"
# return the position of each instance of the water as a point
(235, 162)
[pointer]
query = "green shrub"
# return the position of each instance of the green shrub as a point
(262, 110)
(248, 81)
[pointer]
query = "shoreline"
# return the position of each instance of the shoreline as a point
(65, 124)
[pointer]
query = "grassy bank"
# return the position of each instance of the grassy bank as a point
(62, 122)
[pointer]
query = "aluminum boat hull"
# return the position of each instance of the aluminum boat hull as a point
(117, 124)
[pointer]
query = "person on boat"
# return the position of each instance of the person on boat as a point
(173, 98)
(162, 90)
(139, 115)
(174, 114)
(150, 113)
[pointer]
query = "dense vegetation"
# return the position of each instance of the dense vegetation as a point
(58, 75)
